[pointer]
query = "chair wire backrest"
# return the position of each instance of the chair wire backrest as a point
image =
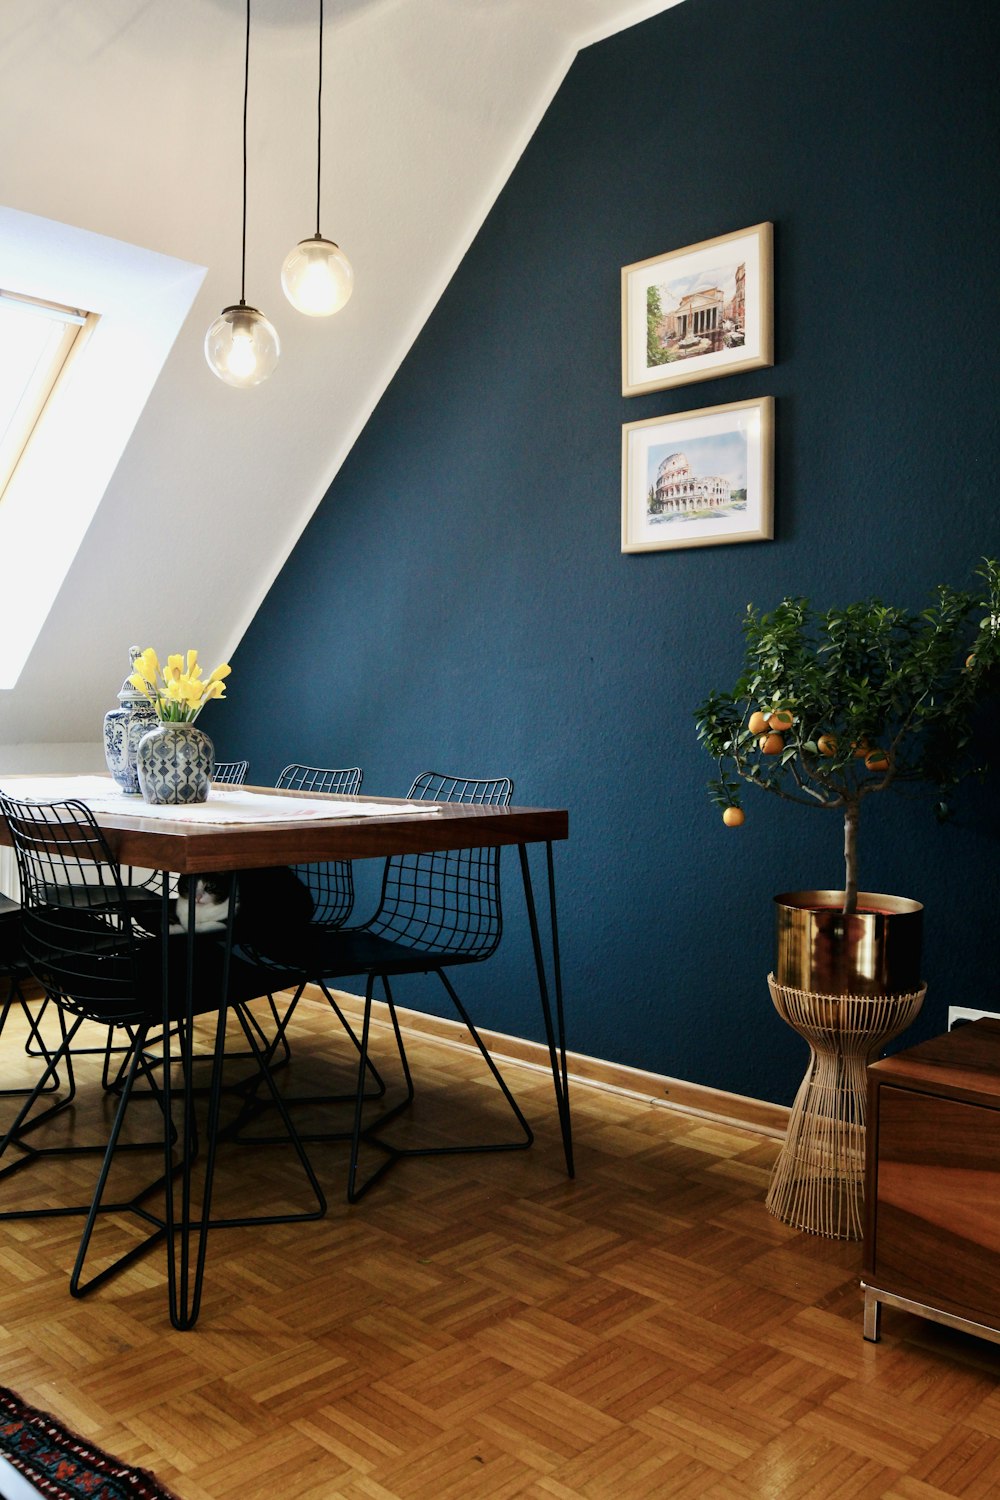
(339, 783)
(330, 882)
(230, 772)
(76, 930)
(447, 901)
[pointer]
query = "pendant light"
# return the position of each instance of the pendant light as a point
(241, 346)
(317, 277)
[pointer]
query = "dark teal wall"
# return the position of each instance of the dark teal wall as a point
(460, 601)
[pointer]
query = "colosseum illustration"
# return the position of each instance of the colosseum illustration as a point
(677, 488)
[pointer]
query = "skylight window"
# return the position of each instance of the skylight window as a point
(37, 339)
(71, 450)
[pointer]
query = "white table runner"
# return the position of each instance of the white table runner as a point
(224, 805)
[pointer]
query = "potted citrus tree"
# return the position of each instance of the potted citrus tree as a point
(833, 708)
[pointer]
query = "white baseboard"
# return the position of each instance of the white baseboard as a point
(657, 1089)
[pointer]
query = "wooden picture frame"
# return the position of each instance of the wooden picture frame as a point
(698, 313)
(699, 478)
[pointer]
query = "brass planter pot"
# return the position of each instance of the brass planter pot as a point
(874, 951)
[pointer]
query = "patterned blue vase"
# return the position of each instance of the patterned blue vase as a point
(124, 727)
(175, 763)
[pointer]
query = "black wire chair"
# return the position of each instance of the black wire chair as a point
(83, 946)
(230, 772)
(331, 886)
(330, 882)
(144, 896)
(436, 912)
(343, 781)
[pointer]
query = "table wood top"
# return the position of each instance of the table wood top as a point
(186, 848)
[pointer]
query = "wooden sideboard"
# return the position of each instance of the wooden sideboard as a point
(932, 1199)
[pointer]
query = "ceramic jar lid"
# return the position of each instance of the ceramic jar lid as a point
(130, 695)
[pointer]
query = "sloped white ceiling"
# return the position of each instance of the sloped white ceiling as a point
(124, 117)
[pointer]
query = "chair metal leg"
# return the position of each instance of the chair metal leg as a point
(77, 1287)
(373, 1071)
(396, 1153)
(345, 1023)
(520, 1145)
(255, 1106)
(291, 1136)
(16, 996)
(21, 1127)
(106, 1050)
(354, 1192)
(279, 1040)
(186, 1271)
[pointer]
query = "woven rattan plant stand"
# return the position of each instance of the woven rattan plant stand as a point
(818, 1181)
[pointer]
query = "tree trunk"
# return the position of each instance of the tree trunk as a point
(850, 858)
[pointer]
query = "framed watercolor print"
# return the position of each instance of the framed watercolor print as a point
(698, 313)
(699, 478)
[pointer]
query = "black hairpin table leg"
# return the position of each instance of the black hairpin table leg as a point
(184, 1281)
(555, 1029)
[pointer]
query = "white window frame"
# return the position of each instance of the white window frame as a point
(20, 424)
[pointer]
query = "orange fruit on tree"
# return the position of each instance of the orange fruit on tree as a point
(827, 744)
(781, 719)
(861, 748)
(877, 760)
(734, 817)
(771, 744)
(970, 662)
(757, 723)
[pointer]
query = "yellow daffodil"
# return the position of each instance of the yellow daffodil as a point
(178, 690)
(147, 669)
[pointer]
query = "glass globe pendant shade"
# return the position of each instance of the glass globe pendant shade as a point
(241, 346)
(317, 277)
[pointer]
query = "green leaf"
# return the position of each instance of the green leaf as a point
(867, 670)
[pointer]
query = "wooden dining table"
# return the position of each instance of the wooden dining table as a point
(247, 828)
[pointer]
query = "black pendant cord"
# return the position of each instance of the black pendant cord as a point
(319, 119)
(246, 93)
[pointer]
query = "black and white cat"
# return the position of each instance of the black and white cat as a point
(212, 894)
(269, 902)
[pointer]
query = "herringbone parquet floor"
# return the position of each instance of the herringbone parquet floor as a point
(484, 1328)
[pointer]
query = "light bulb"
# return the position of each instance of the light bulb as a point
(317, 277)
(241, 346)
(241, 360)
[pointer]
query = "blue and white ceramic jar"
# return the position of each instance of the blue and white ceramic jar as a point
(175, 764)
(124, 727)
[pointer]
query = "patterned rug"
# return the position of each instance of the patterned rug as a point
(61, 1465)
